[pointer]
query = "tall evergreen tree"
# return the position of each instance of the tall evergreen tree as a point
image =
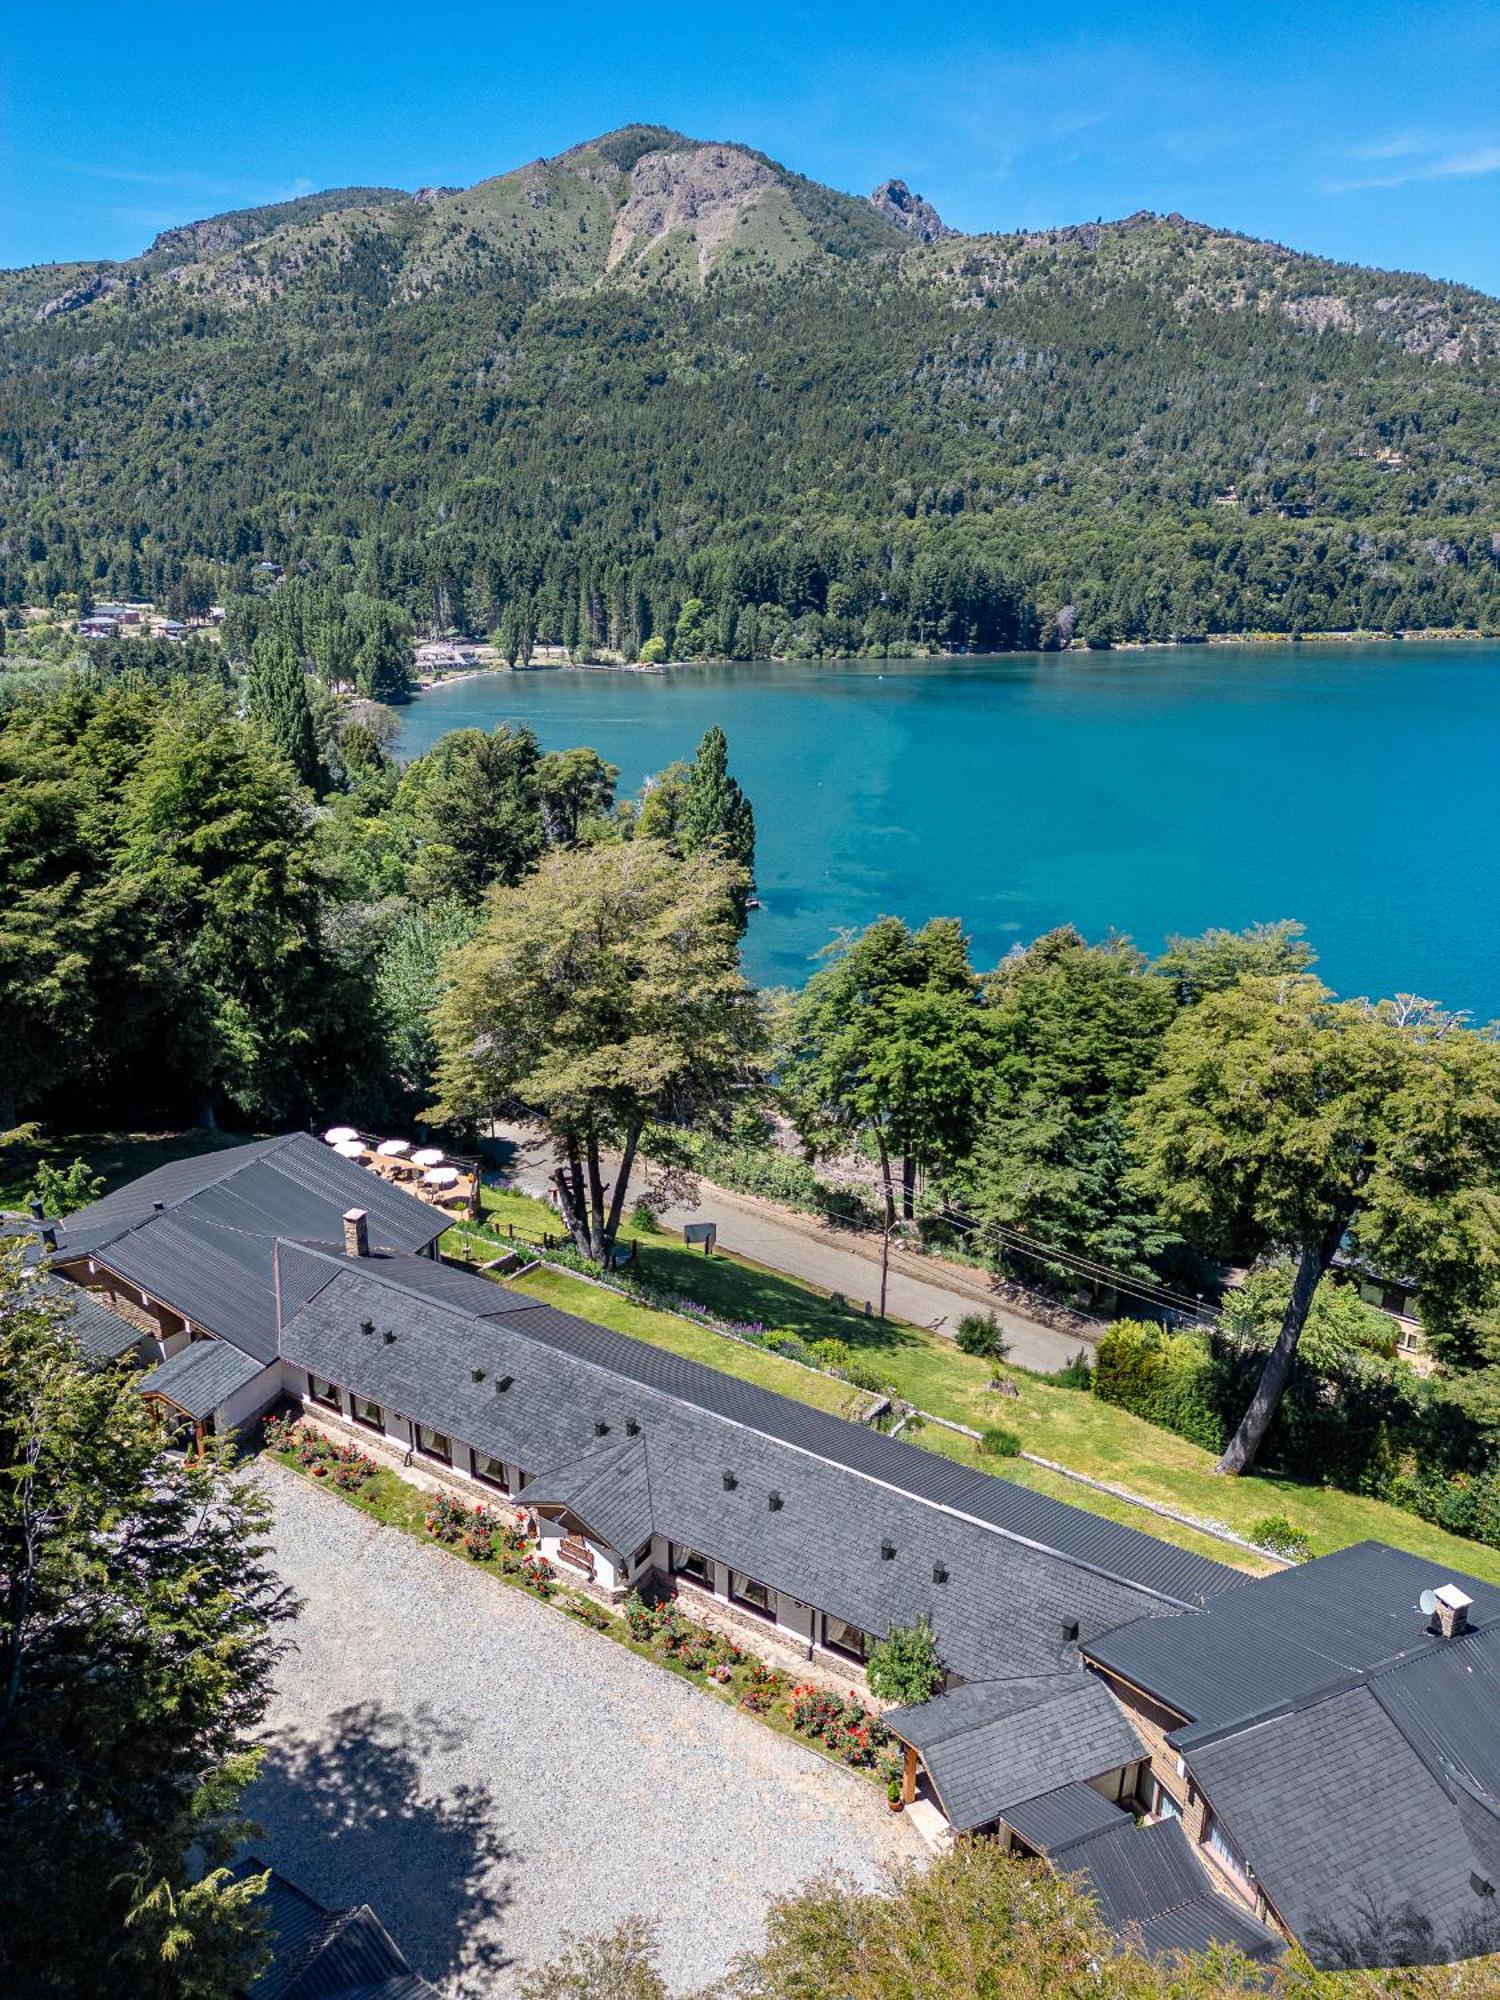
(277, 702)
(137, 1618)
(716, 813)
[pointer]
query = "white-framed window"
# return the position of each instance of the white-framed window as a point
(433, 1444)
(753, 1595)
(841, 1637)
(491, 1471)
(688, 1562)
(367, 1413)
(323, 1392)
(1163, 1804)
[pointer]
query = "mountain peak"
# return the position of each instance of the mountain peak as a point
(896, 202)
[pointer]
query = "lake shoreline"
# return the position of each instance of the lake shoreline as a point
(1248, 640)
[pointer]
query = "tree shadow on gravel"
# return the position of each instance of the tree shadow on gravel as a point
(349, 1817)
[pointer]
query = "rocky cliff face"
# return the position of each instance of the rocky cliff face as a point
(896, 202)
(702, 189)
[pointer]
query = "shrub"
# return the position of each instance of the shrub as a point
(832, 1353)
(538, 1574)
(447, 1518)
(980, 1333)
(904, 1666)
(1165, 1377)
(639, 1616)
(1276, 1533)
(998, 1442)
(1079, 1373)
(281, 1433)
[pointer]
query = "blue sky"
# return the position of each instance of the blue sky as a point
(1369, 132)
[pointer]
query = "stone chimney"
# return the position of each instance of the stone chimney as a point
(1452, 1610)
(356, 1233)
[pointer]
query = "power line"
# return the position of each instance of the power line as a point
(1147, 1291)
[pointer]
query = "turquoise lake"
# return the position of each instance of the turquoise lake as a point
(1356, 789)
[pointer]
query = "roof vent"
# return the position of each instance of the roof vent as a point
(730, 1482)
(601, 1428)
(1480, 1886)
(773, 1501)
(939, 1572)
(887, 1551)
(502, 1383)
(1448, 1609)
(1070, 1630)
(632, 1428)
(476, 1374)
(38, 1212)
(389, 1337)
(49, 1236)
(356, 1233)
(367, 1327)
(158, 1208)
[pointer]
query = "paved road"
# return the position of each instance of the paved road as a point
(802, 1247)
(489, 1775)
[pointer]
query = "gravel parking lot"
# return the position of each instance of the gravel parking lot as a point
(489, 1775)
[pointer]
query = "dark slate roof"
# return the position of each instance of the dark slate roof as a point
(1145, 1882)
(201, 1376)
(200, 1234)
(1088, 1539)
(609, 1491)
(991, 1744)
(1284, 1638)
(102, 1335)
(1208, 1920)
(1000, 1602)
(1354, 1842)
(1446, 1703)
(1058, 1821)
(318, 1954)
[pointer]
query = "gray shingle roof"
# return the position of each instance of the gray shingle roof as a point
(1058, 1821)
(609, 1491)
(102, 1335)
(1284, 1638)
(317, 1954)
(1354, 1841)
(199, 1234)
(1144, 1880)
(992, 1744)
(999, 1603)
(1446, 1703)
(200, 1376)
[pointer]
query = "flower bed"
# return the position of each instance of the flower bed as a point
(343, 1465)
(841, 1723)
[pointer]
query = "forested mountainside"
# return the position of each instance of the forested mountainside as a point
(659, 387)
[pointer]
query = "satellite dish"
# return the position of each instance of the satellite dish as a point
(1427, 1603)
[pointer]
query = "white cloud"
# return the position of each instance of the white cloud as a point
(1420, 162)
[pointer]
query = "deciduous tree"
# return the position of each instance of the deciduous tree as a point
(601, 994)
(1284, 1118)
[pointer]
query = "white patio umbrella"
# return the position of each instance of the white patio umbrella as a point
(349, 1149)
(427, 1156)
(393, 1149)
(339, 1135)
(440, 1177)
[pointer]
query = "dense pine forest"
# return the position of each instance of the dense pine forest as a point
(659, 391)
